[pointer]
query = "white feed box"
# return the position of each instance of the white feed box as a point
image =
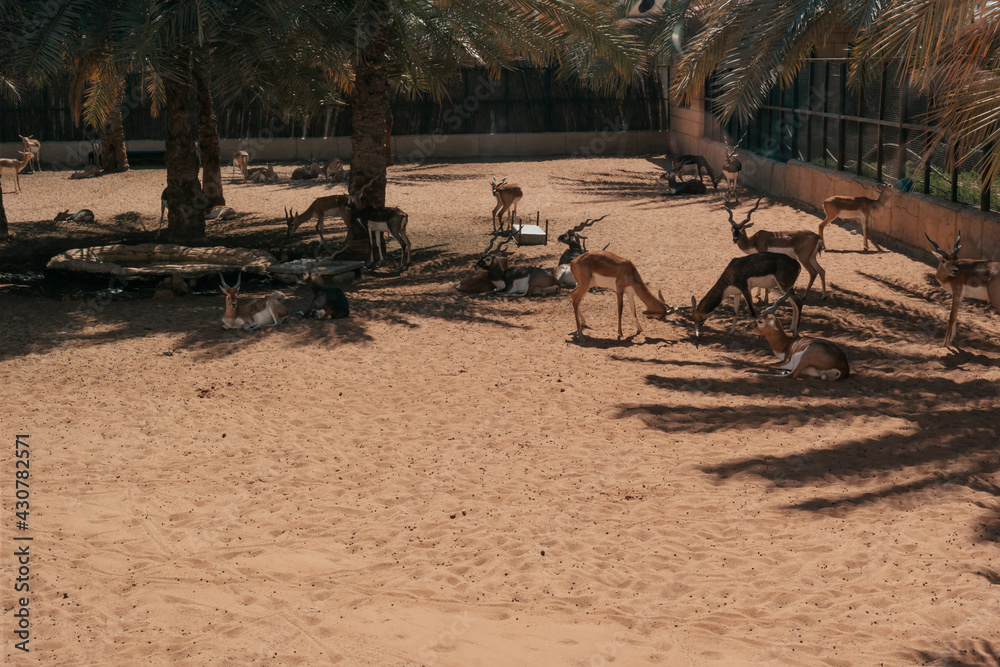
(530, 235)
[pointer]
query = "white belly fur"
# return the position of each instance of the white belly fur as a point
(519, 286)
(608, 282)
(979, 292)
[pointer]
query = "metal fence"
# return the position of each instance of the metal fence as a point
(523, 100)
(876, 131)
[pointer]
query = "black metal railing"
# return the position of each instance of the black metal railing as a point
(877, 130)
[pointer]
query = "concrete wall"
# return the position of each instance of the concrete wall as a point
(407, 149)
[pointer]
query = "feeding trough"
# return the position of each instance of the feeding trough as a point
(289, 272)
(531, 234)
(153, 261)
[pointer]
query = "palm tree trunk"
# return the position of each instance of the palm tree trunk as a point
(208, 141)
(113, 155)
(370, 106)
(186, 223)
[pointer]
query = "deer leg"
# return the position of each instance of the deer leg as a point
(796, 313)
(404, 247)
(737, 305)
(864, 230)
(635, 314)
(956, 301)
(495, 209)
(576, 296)
(821, 271)
(812, 279)
(620, 296)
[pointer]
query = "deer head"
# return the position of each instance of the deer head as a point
(232, 293)
(573, 238)
(948, 260)
(496, 186)
(739, 228)
(290, 221)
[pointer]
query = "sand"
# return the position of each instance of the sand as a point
(451, 479)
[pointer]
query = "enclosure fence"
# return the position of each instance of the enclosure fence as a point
(521, 100)
(876, 131)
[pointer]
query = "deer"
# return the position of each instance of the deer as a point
(699, 163)
(240, 161)
(267, 311)
(477, 280)
(763, 269)
(308, 172)
(333, 169)
(163, 209)
(974, 278)
(328, 303)
(675, 187)
(599, 268)
(8, 165)
(731, 169)
(384, 220)
(220, 213)
(90, 171)
(576, 242)
(854, 207)
(802, 245)
(800, 355)
(321, 207)
(83, 215)
(507, 194)
(263, 174)
(522, 281)
(34, 147)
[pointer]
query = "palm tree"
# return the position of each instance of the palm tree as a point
(948, 49)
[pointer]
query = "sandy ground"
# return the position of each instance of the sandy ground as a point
(445, 479)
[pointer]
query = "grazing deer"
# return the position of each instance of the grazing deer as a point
(384, 220)
(220, 213)
(83, 215)
(263, 174)
(800, 355)
(803, 246)
(477, 280)
(699, 163)
(333, 169)
(267, 311)
(90, 171)
(308, 172)
(328, 303)
(522, 281)
(606, 269)
(240, 161)
(507, 194)
(321, 207)
(34, 147)
(974, 278)
(854, 207)
(675, 187)
(731, 169)
(10, 165)
(763, 269)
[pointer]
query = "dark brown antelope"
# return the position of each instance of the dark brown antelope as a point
(699, 163)
(800, 355)
(731, 169)
(974, 278)
(803, 246)
(520, 281)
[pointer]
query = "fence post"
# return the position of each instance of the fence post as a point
(879, 150)
(954, 172)
(904, 93)
(861, 97)
(841, 123)
(986, 184)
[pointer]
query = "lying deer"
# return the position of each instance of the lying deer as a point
(263, 174)
(308, 172)
(220, 213)
(83, 215)
(267, 311)
(803, 246)
(521, 281)
(974, 278)
(477, 280)
(90, 171)
(800, 355)
(328, 303)
(675, 187)
(764, 270)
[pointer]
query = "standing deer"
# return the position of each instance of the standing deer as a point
(854, 207)
(731, 169)
(974, 278)
(699, 163)
(803, 246)
(507, 194)
(240, 161)
(34, 147)
(606, 269)
(10, 165)
(800, 355)
(267, 311)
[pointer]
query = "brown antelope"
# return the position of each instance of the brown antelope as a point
(220, 213)
(763, 269)
(321, 207)
(521, 281)
(308, 172)
(699, 163)
(731, 169)
(240, 161)
(974, 278)
(333, 169)
(606, 269)
(800, 355)
(854, 207)
(163, 209)
(90, 171)
(10, 165)
(267, 311)
(328, 303)
(34, 147)
(83, 215)
(477, 280)
(384, 220)
(507, 194)
(263, 174)
(803, 246)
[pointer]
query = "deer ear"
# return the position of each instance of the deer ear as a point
(694, 302)
(659, 293)
(748, 225)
